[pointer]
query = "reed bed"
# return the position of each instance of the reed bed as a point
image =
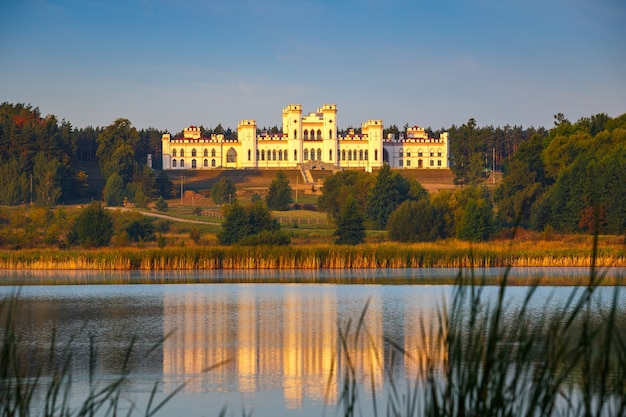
(449, 254)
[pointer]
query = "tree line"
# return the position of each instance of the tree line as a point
(568, 178)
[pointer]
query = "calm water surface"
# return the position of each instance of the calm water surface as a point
(279, 341)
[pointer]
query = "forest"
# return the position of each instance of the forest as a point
(569, 178)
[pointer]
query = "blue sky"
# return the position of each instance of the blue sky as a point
(169, 63)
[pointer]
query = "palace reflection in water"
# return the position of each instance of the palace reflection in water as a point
(287, 339)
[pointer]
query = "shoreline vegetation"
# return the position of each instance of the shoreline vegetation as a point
(443, 254)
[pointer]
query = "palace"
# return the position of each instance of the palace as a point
(311, 141)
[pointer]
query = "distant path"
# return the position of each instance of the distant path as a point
(165, 216)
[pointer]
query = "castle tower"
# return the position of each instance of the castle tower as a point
(166, 154)
(292, 127)
(246, 132)
(329, 133)
(374, 131)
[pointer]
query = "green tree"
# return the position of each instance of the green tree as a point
(250, 225)
(46, 180)
(114, 191)
(116, 149)
(164, 186)
(340, 187)
(93, 227)
(279, 193)
(416, 221)
(15, 184)
(223, 191)
(389, 191)
(350, 225)
(477, 222)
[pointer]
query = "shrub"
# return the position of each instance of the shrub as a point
(350, 225)
(160, 204)
(92, 227)
(141, 230)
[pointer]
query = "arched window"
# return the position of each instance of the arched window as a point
(361, 155)
(319, 154)
(182, 153)
(330, 154)
(257, 154)
(280, 154)
(350, 155)
(312, 154)
(193, 163)
(174, 152)
(295, 134)
(432, 152)
(400, 153)
(249, 155)
(306, 154)
(375, 154)
(231, 155)
(173, 163)
(213, 153)
(439, 152)
(206, 163)
(274, 154)
(206, 153)
(330, 133)
(420, 152)
(295, 154)
(343, 155)
(213, 163)
(319, 134)
(263, 155)
(306, 134)
(366, 155)
(193, 152)
(182, 163)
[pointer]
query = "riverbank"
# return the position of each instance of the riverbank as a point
(443, 254)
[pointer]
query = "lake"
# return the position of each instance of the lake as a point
(276, 340)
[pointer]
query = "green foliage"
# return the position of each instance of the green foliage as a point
(141, 230)
(248, 224)
(160, 204)
(389, 191)
(164, 186)
(47, 175)
(116, 151)
(93, 227)
(15, 184)
(114, 191)
(223, 191)
(416, 221)
(350, 225)
(342, 186)
(476, 224)
(279, 194)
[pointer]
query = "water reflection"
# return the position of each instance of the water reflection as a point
(271, 338)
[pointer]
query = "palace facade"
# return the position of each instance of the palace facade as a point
(311, 141)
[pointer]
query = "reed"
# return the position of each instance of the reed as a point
(485, 358)
(24, 391)
(449, 254)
